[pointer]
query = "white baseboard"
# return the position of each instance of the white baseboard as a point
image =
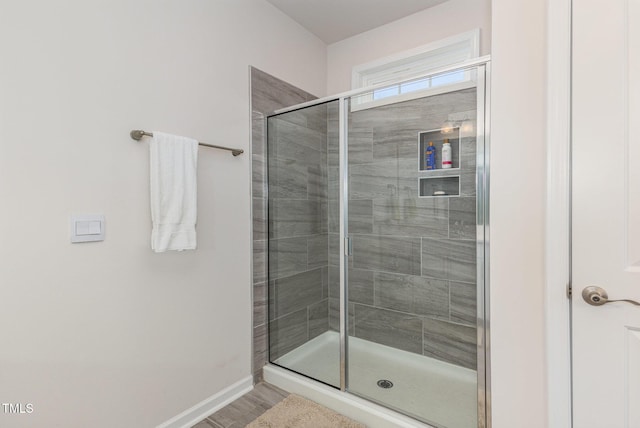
(195, 414)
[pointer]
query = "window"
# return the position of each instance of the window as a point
(412, 64)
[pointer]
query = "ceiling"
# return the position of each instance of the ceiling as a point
(335, 20)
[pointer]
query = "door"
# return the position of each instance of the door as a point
(414, 259)
(606, 212)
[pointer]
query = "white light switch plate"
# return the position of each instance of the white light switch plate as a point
(87, 228)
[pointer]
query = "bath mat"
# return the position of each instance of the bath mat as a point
(297, 412)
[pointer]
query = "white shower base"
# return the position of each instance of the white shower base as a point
(426, 388)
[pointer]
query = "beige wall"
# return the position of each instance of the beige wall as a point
(518, 162)
(110, 334)
(444, 20)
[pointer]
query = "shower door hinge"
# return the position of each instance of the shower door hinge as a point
(348, 246)
(569, 291)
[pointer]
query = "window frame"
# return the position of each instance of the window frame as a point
(416, 62)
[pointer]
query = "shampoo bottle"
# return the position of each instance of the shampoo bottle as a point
(446, 155)
(430, 156)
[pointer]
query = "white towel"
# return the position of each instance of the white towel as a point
(173, 168)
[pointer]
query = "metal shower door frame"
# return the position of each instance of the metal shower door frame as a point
(483, 67)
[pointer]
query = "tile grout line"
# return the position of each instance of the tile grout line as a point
(449, 288)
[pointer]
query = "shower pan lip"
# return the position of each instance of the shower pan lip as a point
(366, 411)
(472, 63)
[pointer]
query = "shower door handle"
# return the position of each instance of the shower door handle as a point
(348, 246)
(597, 296)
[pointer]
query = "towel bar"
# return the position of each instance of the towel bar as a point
(137, 134)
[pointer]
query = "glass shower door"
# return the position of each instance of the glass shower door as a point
(376, 246)
(302, 212)
(413, 270)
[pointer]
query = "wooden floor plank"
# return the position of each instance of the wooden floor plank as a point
(245, 409)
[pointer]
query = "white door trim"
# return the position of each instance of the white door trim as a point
(558, 214)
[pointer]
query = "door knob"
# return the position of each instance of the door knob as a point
(597, 296)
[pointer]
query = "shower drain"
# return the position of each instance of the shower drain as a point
(386, 384)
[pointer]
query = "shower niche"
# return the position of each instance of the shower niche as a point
(435, 187)
(373, 274)
(438, 137)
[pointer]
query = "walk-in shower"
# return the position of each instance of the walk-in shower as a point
(377, 255)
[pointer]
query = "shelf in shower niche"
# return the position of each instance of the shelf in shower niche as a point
(437, 136)
(431, 187)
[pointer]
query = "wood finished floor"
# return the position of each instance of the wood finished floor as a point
(245, 409)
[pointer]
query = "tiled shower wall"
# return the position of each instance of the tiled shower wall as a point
(298, 240)
(412, 276)
(267, 94)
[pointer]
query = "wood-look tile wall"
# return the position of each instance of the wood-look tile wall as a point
(267, 95)
(412, 276)
(298, 241)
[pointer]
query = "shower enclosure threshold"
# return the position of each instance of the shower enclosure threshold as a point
(423, 387)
